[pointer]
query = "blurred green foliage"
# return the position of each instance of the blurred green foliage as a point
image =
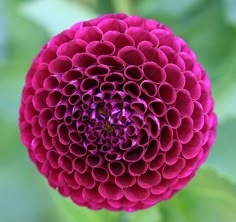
(209, 27)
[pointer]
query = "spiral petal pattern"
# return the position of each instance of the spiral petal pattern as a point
(117, 113)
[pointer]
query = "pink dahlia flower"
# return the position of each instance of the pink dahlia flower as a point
(117, 113)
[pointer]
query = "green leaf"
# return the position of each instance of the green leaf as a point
(230, 8)
(10, 90)
(22, 45)
(151, 215)
(225, 102)
(72, 213)
(25, 38)
(22, 188)
(56, 15)
(224, 87)
(171, 7)
(123, 6)
(3, 30)
(104, 8)
(208, 198)
(223, 153)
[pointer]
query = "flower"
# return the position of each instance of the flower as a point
(117, 113)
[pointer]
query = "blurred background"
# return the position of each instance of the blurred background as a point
(208, 26)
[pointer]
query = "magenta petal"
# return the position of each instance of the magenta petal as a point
(152, 54)
(108, 87)
(100, 174)
(193, 147)
(51, 82)
(94, 160)
(185, 131)
(192, 85)
(133, 155)
(143, 137)
(40, 77)
(71, 48)
(139, 106)
(92, 194)
(65, 163)
(136, 193)
(157, 162)
(89, 34)
(184, 103)
(115, 77)
(120, 40)
(89, 84)
(123, 202)
(172, 155)
(131, 55)
(149, 179)
(167, 93)
(132, 89)
(100, 48)
(173, 117)
(138, 168)
(153, 124)
(97, 70)
(197, 116)
(139, 35)
(148, 88)
(133, 73)
(166, 138)
(115, 24)
(83, 60)
(39, 99)
(79, 165)
(125, 180)
(154, 72)
(116, 168)
(60, 65)
(157, 107)
(171, 171)
(85, 180)
(110, 191)
(151, 150)
(113, 62)
(174, 76)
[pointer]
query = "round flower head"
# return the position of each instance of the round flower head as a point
(117, 113)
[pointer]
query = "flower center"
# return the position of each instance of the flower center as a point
(105, 114)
